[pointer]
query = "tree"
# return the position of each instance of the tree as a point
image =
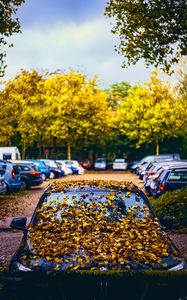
(8, 26)
(116, 92)
(23, 109)
(77, 110)
(154, 30)
(152, 113)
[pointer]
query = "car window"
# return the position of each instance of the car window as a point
(7, 156)
(178, 175)
(70, 163)
(2, 169)
(100, 160)
(35, 168)
(119, 161)
(24, 168)
(16, 170)
(123, 202)
(161, 173)
(51, 164)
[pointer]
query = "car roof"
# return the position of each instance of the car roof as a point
(170, 163)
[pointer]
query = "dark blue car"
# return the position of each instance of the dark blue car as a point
(53, 167)
(42, 167)
(172, 178)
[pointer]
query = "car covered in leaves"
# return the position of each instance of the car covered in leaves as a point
(94, 225)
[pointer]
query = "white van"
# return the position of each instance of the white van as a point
(9, 153)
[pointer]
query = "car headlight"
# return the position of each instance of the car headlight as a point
(178, 267)
(22, 268)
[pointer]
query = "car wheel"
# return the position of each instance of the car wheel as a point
(24, 185)
(52, 175)
(44, 176)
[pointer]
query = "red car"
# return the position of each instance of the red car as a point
(87, 164)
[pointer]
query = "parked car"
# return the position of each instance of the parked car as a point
(170, 178)
(141, 169)
(11, 175)
(155, 158)
(87, 164)
(119, 164)
(64, 167)
(30, 174)
(133, 165)
(53, 167)
(154, 169)
(100, 164)
(42, 167)
(2, 181)
(94, 225)
(75, 166)
(151, 173)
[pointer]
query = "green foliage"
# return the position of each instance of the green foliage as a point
(154, 30)
(116, 92)
(8, 25)
(172, 204)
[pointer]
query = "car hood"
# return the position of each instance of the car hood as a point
(68, 263)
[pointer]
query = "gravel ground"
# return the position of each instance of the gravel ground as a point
(23, 204)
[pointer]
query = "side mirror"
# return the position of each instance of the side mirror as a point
(19, 223)
(169, 222)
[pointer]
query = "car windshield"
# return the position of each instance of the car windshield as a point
(119, 160)
(100, 160)
(51, 164)
(39, 164)
(99, 200)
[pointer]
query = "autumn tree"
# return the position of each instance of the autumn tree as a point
(154, 30)
(77, 109)
(23, 110)
(152, 113)
(8, 26)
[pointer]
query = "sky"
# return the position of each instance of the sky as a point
(69, 34)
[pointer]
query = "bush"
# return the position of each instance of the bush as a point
(172, 204)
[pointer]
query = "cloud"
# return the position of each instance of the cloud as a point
(89, 46)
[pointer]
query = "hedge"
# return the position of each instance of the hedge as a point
(174, 204)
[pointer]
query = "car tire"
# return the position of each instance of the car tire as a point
(44, 176)
(52, 175)
(24, 185)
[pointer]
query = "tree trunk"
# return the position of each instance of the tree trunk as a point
(23, 149)
(40, 147)
(90, 155)
(157, 147)
(69, 151)
(54, 147)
